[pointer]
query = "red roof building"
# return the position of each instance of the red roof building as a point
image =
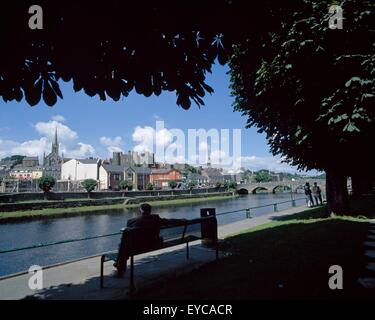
(161, 177)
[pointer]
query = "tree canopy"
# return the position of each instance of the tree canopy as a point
(125, 185)
(46, 183)
(113, 48)
(263, 176)
(89, 184)
(309, 88)
(172, 184)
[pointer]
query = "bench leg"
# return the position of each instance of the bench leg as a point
(101, 272)
(187, 250)
(132, 288)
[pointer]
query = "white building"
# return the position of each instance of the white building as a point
(80, 169)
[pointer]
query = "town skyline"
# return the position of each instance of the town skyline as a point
(140, 134)
(92, 131)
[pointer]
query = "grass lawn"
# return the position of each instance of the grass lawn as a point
(11, 216)
(283, 259)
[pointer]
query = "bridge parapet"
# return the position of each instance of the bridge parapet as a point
(272, 185)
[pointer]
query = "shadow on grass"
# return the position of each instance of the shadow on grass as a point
(281, 260)
(364, 206)
(313, 213)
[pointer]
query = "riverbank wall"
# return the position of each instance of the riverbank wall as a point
(72, 203)
(39, 196)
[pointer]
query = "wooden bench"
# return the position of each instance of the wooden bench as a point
(204, 229)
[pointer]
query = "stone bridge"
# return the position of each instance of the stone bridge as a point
(296, 186)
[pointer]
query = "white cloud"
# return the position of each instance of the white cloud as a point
(58, 118)
(32, 147)
(163, 137)
(112, 145)
(144, 136)
(66, 136)
(193, 158)
(175, 153)
(28, 148)
(82, 150)
(203, 146)
(219, 156)
(48, 129)
(269, 163)
(174, 159)
(147, 137)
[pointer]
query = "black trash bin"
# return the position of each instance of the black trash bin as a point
(209, 227)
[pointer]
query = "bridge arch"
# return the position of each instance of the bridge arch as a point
(284, 186)
(254, 191)
(243, 191)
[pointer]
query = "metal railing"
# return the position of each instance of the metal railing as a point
(246, 210)
(41, 245)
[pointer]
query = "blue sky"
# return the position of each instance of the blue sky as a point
(90, 127)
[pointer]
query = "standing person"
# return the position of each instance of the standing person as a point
(309, 198)
(315, 194)
(318, 194)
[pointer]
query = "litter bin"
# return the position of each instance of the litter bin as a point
(209, 227)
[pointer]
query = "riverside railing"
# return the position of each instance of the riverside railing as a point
(246, 210)
(249, 210)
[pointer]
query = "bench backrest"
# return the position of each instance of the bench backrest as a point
(140, 240)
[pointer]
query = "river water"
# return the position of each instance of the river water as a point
(16, 235)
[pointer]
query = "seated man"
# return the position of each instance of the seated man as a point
(151, 223)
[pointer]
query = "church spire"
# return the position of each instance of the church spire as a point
(56, 143)
(209, 160)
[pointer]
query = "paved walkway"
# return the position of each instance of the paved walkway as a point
(80, 279)
(236, 227)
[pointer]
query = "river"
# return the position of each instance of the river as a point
(16, 235)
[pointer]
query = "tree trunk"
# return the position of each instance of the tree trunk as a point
(362, 183)
(337, 192)
(45, 195)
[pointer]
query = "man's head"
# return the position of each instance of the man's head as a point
(315, 184)
(145, 209)
(307, 184)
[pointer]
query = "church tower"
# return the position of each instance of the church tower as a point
(52, 162)
(209, 161)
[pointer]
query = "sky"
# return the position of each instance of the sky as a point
(89, 127)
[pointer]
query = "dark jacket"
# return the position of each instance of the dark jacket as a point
(148, 221)
(153, 220)
(147, 236)
(307, 190)
(149, 227)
